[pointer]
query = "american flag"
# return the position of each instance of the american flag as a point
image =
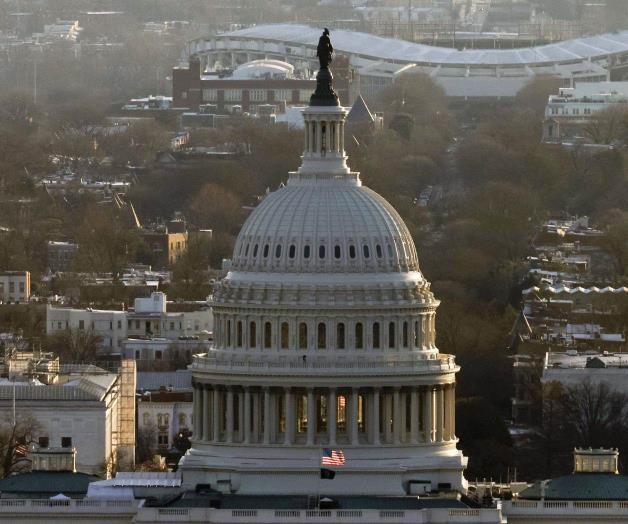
(332, 457)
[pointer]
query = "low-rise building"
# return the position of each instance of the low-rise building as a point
(147, 321)
(15, 286)
(568, 113)
(165, 416)
(92, 412)
(61, 256)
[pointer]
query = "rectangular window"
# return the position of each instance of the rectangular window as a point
(257, 95)
(283, 94)
(162, 440)
(11, 287)
(43, 442)
(171, 326)
(81, 324)
(304, 95)
(119, 324)
(233, 95)
(210, 95)
(21, 287)
(66, 442)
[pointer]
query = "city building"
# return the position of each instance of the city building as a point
(594, 492)
(164, 415)
(15, 287)
(570, 111)
(61, 256)
(324, 337)
(465, 74)
(166, 242)
(148, 320)
(92, 412)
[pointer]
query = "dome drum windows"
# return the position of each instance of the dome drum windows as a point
(303, 336)
(253, 334)
(366, 251)
(391, 335)
(268, 335)
(321, 251)
(285, 335)
(322, 336)
(352, 253)
(340, 335)
(306, 251)
(278, 251)
(292, 251)
(266, 250)
(376, 335)
(337, 252)
(359, 335)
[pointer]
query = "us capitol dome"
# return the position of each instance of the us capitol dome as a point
(324, 338)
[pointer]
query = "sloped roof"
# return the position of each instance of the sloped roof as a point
(378, 47)
(153, 380)
(360, 113)
(47, 483)
(581, 486)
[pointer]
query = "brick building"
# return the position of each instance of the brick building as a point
(251, 85)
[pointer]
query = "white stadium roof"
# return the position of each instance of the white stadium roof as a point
(372, 46)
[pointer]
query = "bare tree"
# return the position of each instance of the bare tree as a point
(75, 345)
(15, 437)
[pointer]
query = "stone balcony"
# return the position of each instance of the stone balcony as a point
(318, 363)
(580, 510)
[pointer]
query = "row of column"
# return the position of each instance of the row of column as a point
(324, 136)
(314, 416)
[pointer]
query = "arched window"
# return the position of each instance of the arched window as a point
(359, 336)
(146, 419)
(252, 334)
(285, 335)
(239, 334)
(158, 355)
(229, 333)
(302, 335)
(183, 420)
(322, 335)
(306, 251)
(246, 251)
(376, 335)
(340, 335)
(266, 249)
(255, 248)
(336, 252)
(268, 335)
(292, 251)
(277, 250)
(390, 250)
(321, 252)
(351, 251)
(160, 419)
(378, 251)
(405, 334)
(391, 335)
(366, 251)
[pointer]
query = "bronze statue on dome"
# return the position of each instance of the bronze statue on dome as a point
(324, 50)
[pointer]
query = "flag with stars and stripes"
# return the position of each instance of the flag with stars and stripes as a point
(332, 457)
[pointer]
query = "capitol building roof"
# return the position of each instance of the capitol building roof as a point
(332, 225)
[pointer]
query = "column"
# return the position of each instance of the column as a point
(229, 414)
(452, 419)
(354, 438)
(206, 434)
(414, 416)
(311, 417)
(342, 137)
(375, 417)
(257, 409)
(266, 415)
(240, 397)
(427, 414)
(216, 414)
(387, 416)
(319, 136)
(289, 418)
(439, 413)
(246, 438)
(396, 416)
(198, 407)
(331, 416)
(446, 424)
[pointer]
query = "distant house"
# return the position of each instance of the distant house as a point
(15, 286)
